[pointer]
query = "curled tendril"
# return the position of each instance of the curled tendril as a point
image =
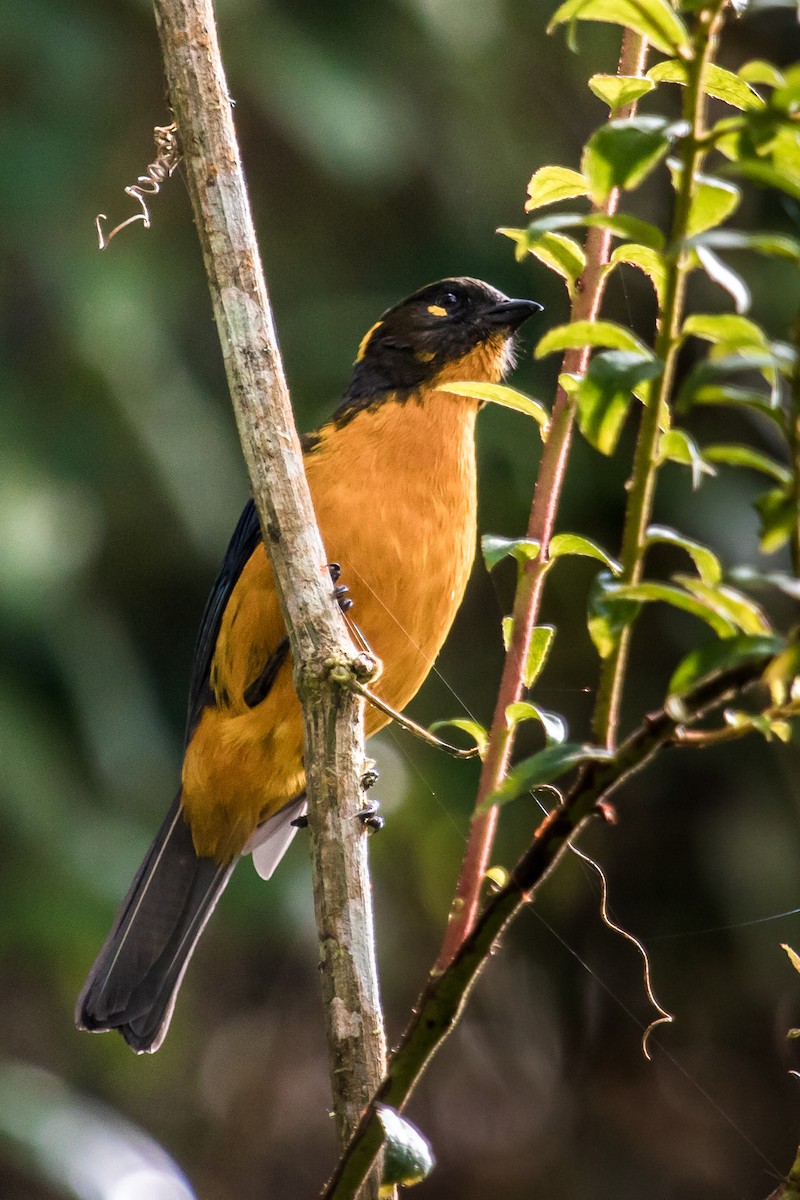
(168, 155)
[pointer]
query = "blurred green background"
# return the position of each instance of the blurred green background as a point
(383, 146)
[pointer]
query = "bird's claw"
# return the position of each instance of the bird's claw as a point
(340, 590)
(370, 776)
(369, 818)
(300, 822)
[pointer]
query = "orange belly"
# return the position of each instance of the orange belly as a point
(394, 492)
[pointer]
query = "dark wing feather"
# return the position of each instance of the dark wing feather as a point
(246, 536)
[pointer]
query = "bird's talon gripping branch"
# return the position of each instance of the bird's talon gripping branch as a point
(370, 775)
(300, 822)
(369, 818)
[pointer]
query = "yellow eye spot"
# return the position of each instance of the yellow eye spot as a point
(362, 346)
(436, 310)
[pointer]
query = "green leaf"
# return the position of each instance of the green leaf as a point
(572, 543)
(758, 71)
(646, 259)
(550, 184)
(653, 19)
(766, 174)
(507, 626)
(555, 729)
(538, 651)
(622, 225)
(546, 766)
(725, 327)
(735, 455)
(729, 603)
(608, 615)
(675, 445)
(714, 199)
(766, 724)
(606, 334)
(475, 730)
(561, 254)
(622, 154)
(407, 1154)
(788, 584)
(719, 273)
(708, 565)
(783, 674)
(794, 959)
(719, 83)
(722, 655)
(778, 245)
(618, 90)
(664, 592)
(778, 515)
(605, 393)
(506, 397)
(495, 549)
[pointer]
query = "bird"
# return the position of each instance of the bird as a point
(392, 476)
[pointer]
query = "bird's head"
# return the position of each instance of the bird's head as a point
(457, 329)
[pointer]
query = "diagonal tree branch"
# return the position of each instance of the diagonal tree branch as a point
(318, 635)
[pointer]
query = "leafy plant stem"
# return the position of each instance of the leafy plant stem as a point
(527, 602)
(441, 1001)
(645, 463)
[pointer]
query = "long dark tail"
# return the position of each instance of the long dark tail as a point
(135, 978)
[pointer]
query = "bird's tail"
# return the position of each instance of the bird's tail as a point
(135, 978)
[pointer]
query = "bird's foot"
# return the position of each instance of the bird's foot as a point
(369, 818)
(370, 775)
(300, 822)
(340, 590)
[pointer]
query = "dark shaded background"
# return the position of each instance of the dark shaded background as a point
(384, 144)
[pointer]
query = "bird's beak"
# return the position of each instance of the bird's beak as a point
(509, 314)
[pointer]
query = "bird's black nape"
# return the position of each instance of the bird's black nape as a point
(412, 341)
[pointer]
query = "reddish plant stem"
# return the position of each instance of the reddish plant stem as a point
(527, 602)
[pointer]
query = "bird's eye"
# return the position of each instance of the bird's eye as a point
(447, 303)
(450, 300)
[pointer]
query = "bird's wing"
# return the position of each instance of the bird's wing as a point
(246, 536)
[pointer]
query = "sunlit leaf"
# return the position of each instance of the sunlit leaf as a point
(618, 90)
(646, 259)
(653, 19)
(778, 245)
(506, 397)
(783, 673)
(721, 655)
(561, 254)
(718, 272)
(766, 174)
(794, 959)
(708, 565)
(554, 726)
(777, 513)
(475, 730)
(765, 723)
(572, 543)
(549, 184)
(680, 447)
(507, 627)
(735, 455)
(758, 71)
(605, 393)
(608, 614)
(725, 327)
(713, 201)
(407, 1154)
(623, 225)
(545, 767)
(717, 82)
(495, 549)
(729, 603)
(621, 154)
(677, 597)
(541, 642)
(749, 576)
(604, 334)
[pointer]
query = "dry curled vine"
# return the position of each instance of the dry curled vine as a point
(168, 155)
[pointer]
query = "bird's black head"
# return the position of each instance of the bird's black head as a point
(457, 329)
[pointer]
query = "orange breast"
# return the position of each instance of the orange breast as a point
(395, 496)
